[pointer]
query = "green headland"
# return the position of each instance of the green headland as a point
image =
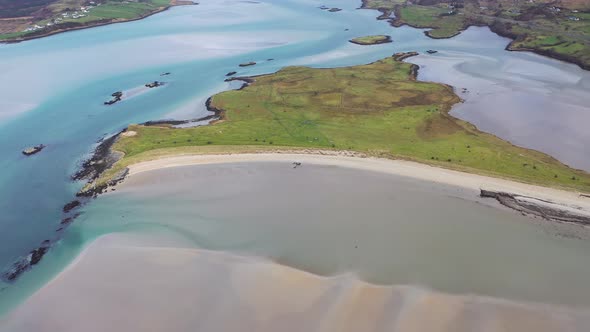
(379, 109)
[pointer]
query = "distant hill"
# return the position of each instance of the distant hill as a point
(26, 19)
(19, 8)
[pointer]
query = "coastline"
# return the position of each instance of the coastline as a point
(341, 167)
(218, 115)
(474, 182)
(93, 25)
(394, 22)
(294, 153)
(106, 168)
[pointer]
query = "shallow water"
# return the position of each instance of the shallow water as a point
(330, 220)
(131, 283)
(520, 97)
(53, 88)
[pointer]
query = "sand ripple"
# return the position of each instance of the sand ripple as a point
(118, 285)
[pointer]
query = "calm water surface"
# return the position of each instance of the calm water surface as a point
(53, 88)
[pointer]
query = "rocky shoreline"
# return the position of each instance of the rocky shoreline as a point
(102, 159)
(539, 208)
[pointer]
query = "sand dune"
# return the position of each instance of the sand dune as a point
(117, 284)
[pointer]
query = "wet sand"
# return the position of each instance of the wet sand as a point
(217, 243)
(123, 283)
(403, 168)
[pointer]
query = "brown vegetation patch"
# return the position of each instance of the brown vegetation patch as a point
(438, 125)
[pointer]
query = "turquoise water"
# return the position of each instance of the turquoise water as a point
(53, 88)
(70, 75)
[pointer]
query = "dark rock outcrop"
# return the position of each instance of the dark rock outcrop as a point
(71, 205)
(33, 150)
(246, 64)
(69, 220)
(538, 207)
(154, 84)
(24, 263)
(404, 55)
(117, 96)
(101, 160)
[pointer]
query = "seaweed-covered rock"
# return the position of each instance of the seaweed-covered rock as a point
(154, 84)
(33, 150)
(117, 96)
(71, 205)
(246, 64)
(24, 263)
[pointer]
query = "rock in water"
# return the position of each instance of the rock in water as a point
(71, 205)
(32, 150)
(251, 63)
(154, 84)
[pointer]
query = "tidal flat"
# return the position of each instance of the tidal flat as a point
(319, 245)
(57, 86)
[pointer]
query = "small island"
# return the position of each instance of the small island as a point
(33, 150)
(231, 73)
(247, 64)
(371, 40)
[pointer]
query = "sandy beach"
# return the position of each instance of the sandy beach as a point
(120, 283)
(395, 167)
(389, 245)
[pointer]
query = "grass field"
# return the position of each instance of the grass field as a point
(443, 26)
(538, 26)
(378, 109)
